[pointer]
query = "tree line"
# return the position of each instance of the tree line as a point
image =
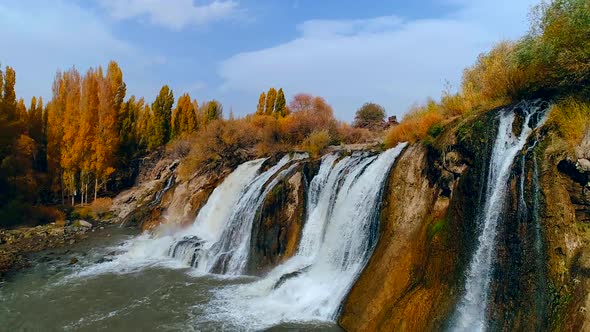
(82, 142)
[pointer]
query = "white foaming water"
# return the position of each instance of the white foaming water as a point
(336, 243)
(149, 250)
(230, 254)
(471, 311)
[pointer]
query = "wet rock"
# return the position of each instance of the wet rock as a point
(73, 261)
(583, 165)
(104, 260)
(277, 227)
(288, 276)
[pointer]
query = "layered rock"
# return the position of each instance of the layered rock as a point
(278, 224)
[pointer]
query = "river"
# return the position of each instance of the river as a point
(56, 296)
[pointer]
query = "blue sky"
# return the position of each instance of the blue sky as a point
(395, 53)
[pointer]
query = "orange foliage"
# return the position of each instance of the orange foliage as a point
(415, 125)
(101, 205)
(354, 135)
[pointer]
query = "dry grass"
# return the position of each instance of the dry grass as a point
(571, 118)
(316, 142)
(101, 205)
(415, 125)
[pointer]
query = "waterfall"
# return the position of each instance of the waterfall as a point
(472, 308)
(219, 239)
(158, 198)
(337, 241)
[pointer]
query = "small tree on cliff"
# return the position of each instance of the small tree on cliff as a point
(370, 116)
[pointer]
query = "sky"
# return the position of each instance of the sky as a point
(394, 53)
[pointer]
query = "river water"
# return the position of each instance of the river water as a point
(166, 296)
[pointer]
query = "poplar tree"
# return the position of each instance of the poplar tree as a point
(162, 110)
(280, 105)
(271, 97)
(261, 104)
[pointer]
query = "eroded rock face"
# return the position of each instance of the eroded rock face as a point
(160, 197)
(278, 224)
(404, 286)
(427, 234)
(567, 234)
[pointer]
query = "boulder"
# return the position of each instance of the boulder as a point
(83, 223)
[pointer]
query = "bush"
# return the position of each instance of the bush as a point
(308, 114)
(571, 118)
(83, 212)
(100, 206)
(315, 143)
(220, 143)
(415, 125)
(495, 79)
(179, 147)
(354, 135)
(557, 50)
(370, 116)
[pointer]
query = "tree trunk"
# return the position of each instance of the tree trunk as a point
(95, 187)
(61, 187)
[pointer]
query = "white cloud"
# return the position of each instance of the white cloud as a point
(388, 60)
(174, 14)
(39, 38)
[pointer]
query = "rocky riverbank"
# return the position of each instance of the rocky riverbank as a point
(17, 244)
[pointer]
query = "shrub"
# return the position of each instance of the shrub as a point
(308, 114)
(415, 125)
(354, 135)
(100, 206)
(557, 50)
(315, 143)
(179, 147)
(83, 212)
(495, 79)
(371, 116)
(220, 143)
(571, 118)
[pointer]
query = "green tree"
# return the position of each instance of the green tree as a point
(271, 98)
(280, 104)
(162, 108)
(213, 111)
(370, 116)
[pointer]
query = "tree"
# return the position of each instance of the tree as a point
(162, 108)
(213, 111)
(111, 95)
(280, 105)
(271, 97)
(261, 104)
(370, 116)
(184, 118)
(71, 146)
(9, 95)
(21, 111)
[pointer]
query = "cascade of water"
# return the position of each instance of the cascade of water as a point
(219, 239)
(213, 217)
(161, 192)
(471, 311)
(335, 246)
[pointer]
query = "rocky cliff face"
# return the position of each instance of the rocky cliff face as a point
(278, 223)
(428, 231)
